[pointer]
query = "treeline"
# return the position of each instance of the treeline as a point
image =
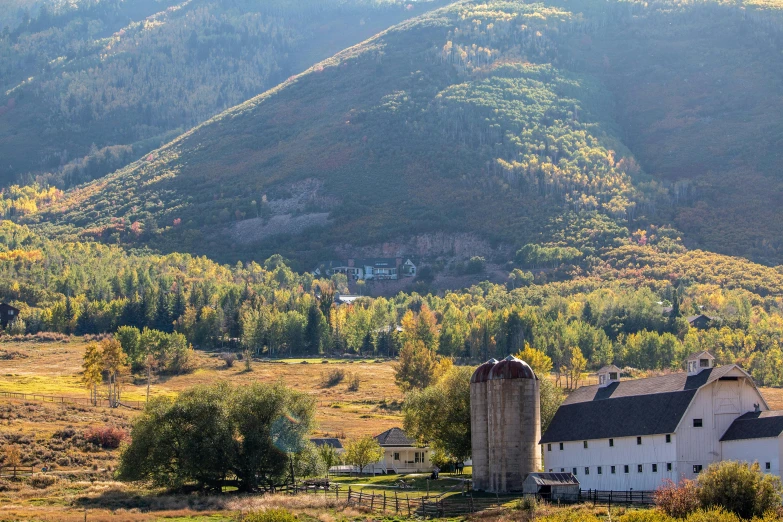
(158, 305)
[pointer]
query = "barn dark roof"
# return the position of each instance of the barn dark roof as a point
(628, 408)
(327, 441)
(511, 368)
(753, 425)
(394, 437)
(482, 372)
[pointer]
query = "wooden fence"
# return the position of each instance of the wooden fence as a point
(459, 504)
(104, 403)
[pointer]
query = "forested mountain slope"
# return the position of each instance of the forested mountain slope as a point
(495, 119)
(88, 86)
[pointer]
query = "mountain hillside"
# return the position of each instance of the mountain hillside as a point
(498, 123)
(88, 86)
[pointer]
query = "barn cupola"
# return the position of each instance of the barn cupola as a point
(698, 362)
(607, 375)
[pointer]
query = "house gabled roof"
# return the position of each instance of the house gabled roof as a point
(755, 425)
(327, 441)
(692, 318)
(609, 368)
(395, 437)
(378, 262)
(629, 408)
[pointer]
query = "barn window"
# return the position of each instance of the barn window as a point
(655, 468)
(613, 470)
(561, 446)
(704, 363)
(600, 471)
(550, 470)
(639, 468)
(697, 468)
(638, 441)
(767, 465)
(611, 443)
(562, 470)
(626, 468)
(549, 447)
(668, 466)
(585, 444)
(574, 471)
(697, 423)
(668, 438)
(587, 470)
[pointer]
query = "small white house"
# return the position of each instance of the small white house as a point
(401, 454)
(634, 434)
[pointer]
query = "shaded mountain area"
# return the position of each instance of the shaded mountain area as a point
(87, 87)
(511, 122)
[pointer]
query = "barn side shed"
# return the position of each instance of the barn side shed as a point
(552, 486)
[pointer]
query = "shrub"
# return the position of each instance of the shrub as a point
(270, 515)
(713, 515)
(107, 437)
(475, 265)
(228, 358)
(678, 500)
(333, 378)
(40, 481)
(740, 488)
(645, 516)
(353, 382)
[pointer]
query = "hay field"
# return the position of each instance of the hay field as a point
(54, 368)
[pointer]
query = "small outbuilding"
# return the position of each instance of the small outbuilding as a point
(8, 314)
(552, 486)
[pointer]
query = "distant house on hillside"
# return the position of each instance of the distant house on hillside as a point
(8, 314)
(377, 269)
(701, 321)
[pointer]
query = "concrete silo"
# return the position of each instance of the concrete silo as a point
(479, 424)
(513, 419)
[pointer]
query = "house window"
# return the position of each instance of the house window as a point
(585, 444)
(767, 465)
(697, 468)
(10, 312)
(396, 456)
(697, 423)
(613, 470)
(561, 446)
(574, 471)
(549, 447)
(638, 441)
(655, 468)
(626, 469)
(418, 457)
(611, 443)
(639, 468)
(668, 438)
(600, 471)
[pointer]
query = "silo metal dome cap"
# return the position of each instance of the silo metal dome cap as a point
(511, 368)
(482, 372)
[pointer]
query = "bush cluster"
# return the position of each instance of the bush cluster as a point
(107, 437)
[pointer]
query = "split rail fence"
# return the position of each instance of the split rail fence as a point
(464, 503)
(136, 405)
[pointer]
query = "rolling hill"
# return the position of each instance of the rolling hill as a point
(479, 128)
(88, 86)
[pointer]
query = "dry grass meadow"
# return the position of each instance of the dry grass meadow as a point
(52, 434)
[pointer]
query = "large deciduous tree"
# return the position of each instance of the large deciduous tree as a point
(249, 437)
(362, 451)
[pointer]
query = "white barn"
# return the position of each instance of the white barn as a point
(634, 434)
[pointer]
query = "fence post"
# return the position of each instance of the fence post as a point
(349, 493)
(610, 500)
(372, 501)
(408, 498)
(384, 502)
(396, 503)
